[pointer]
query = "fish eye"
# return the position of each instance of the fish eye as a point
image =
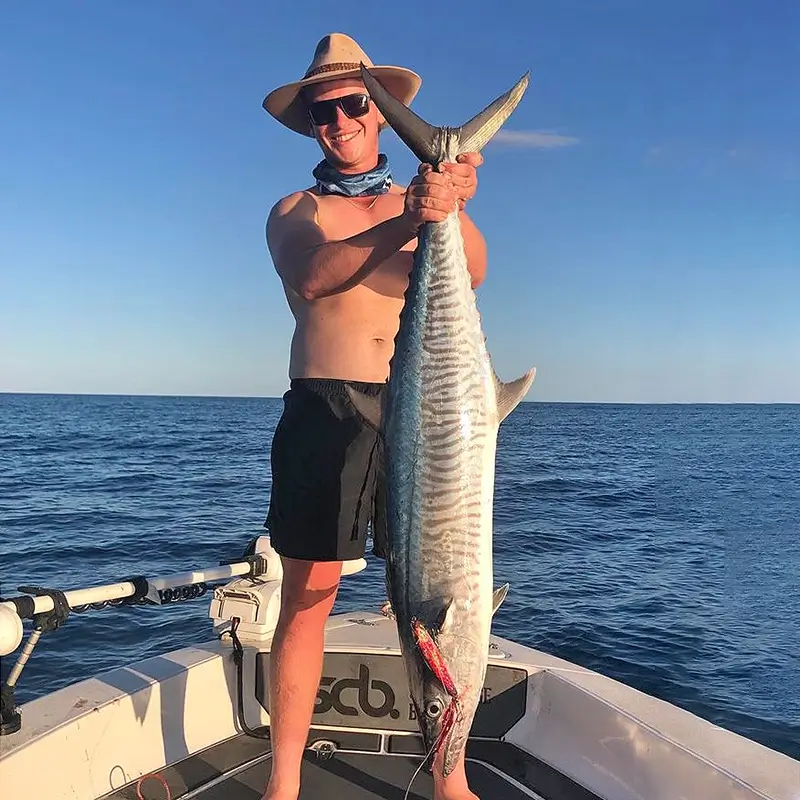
(433, 709)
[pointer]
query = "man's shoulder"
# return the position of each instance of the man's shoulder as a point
(291, 200)
(300, 203)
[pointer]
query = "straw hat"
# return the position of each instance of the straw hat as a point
(337, 56)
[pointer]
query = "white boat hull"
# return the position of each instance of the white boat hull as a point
(581, 734)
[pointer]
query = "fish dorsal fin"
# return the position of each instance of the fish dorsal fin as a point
(369, 407)
(498, 597)
(510, 394)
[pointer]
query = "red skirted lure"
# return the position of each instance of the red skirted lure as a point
(433, 658)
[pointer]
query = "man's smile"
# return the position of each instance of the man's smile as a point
(340, 138)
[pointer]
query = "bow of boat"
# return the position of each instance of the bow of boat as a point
(194, 723)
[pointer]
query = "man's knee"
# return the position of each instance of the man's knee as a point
(309, 586)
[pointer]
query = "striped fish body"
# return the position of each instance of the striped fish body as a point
(441, 424)
(442, 410)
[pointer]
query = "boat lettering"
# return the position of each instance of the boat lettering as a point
(176, 594)
(329, 696)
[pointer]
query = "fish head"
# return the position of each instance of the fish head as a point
(436, 700)
(439, 717)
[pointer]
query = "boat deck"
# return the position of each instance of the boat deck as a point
(359, 766)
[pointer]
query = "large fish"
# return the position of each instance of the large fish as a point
(439, 421)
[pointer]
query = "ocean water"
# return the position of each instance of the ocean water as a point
(655, 544)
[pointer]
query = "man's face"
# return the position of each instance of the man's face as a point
(350, 143)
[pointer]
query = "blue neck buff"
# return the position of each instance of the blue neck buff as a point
(331, 181)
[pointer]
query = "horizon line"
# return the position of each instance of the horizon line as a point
(158, 395)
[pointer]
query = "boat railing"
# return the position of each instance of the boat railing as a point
(246, 596)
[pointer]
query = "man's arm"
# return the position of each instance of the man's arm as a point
(314, 266)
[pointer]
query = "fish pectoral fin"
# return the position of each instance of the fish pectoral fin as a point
(369, 407)
(498, 597)
(509, 395)
(436, 614)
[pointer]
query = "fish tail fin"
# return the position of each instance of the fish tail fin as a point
(473, 135)
(422, 138)
(429, 142)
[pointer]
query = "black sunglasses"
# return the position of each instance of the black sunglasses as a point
(323, 112)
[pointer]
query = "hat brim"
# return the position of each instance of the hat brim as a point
(286, 104)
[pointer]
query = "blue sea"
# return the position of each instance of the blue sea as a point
(656, 544)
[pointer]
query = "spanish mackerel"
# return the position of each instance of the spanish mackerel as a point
(439, 421)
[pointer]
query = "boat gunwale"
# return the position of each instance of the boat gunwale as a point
(41, 717)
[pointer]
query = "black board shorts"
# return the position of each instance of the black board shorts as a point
(328, 479)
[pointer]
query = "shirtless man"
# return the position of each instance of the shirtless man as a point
(343, 250)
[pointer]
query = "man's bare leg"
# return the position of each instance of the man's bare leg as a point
(454, 786)
(307, 596)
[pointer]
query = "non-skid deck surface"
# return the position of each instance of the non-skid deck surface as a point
(238, 769)
(358, 776)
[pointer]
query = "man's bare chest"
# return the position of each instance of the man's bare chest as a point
(344, 217)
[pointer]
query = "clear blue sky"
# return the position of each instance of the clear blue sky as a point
(649, 252)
